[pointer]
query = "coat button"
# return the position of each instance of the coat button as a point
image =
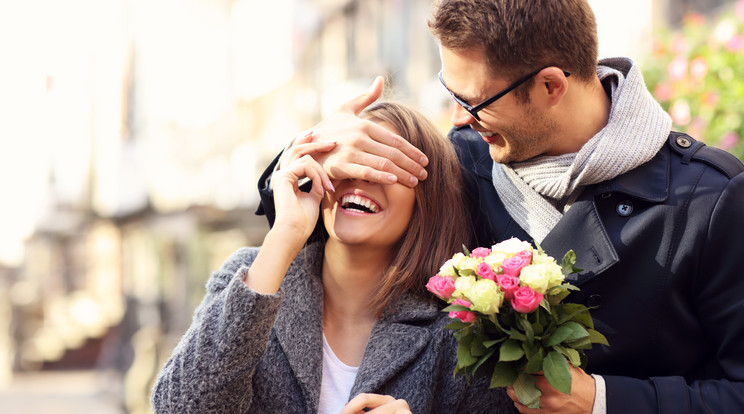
(594, 301)
(683, 142)
(624, 208)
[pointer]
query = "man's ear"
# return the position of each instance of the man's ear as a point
(554, 84)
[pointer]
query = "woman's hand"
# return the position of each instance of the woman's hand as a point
(297, 211)
(296, 215)
(376, 404)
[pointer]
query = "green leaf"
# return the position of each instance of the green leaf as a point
(476, 347)
(464, 358)
(504, 374)
(489, 344)
(582, 343)
(568, 262)
(483, 359)
(557, 372)
(455, 325)
(569, 311)
(510, 350)
(527, 392)
(465, 250)
(572, 354)
(597, 338)
(527, 328)
(534, 361)
(568, 332)
(454, 308)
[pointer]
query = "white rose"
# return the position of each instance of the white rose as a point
(462, 285)
(511, 246)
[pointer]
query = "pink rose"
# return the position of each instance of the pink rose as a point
(526, 300)
(484, 271)
(527, 254)
(480, 252)
(508, 285)
(441, 286)
(465, 316)
(513, 265)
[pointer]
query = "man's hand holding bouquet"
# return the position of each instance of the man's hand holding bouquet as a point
(509, 319)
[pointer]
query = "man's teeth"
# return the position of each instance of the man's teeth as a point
(354, 202)
(486, 133)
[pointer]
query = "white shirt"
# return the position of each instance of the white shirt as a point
(336, 383)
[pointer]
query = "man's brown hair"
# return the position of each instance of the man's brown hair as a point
(521, 36)
(439, 224)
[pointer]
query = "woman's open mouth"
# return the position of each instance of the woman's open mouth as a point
(357, 203)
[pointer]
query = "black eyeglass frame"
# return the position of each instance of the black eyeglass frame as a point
(473, 110)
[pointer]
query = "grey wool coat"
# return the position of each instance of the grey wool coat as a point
(252, 353)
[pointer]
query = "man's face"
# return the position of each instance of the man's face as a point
(515, 130)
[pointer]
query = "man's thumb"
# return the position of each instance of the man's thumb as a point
(357, 105)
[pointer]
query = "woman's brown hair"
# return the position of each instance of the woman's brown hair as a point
(439, 224)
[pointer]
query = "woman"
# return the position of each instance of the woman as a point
(287, 329)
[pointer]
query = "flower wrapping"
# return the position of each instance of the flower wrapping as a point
(509, 318)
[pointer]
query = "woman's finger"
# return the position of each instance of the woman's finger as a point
(300, 149)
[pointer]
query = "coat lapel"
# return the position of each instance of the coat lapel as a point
(394, 343)
(582, 231)
(299, 326)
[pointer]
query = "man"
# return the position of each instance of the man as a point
(582, 158)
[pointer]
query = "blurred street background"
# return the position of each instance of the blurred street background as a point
(133, 132)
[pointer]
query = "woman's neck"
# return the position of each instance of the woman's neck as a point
(350, 278)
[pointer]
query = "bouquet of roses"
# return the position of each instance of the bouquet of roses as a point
(508, 318)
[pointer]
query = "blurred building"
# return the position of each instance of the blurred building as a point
(159, 117)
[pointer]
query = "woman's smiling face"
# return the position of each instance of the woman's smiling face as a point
(360, 212)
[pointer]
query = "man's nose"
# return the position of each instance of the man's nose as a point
(460, 116)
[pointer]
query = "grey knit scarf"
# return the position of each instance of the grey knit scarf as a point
(537, 192)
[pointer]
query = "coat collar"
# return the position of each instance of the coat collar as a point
(594, 250)
(595, 253)
(396, 339)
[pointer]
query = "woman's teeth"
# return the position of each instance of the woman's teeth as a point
(355, 202)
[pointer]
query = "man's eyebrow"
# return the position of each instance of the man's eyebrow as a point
(468, 99)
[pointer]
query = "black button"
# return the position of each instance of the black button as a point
(624, 208)
(683, 142)
(594, 301)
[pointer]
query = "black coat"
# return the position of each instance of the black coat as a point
(662, 248)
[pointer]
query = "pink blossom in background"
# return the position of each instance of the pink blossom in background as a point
(694, 19)
(740, 9)
(663, 91)
(680, 112)
(678, 44)
(729, 140)
(698, 68)
(696, 128)
(735, 44)
(678, 69)
(710, 98)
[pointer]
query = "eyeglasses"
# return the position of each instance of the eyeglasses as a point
(473, 110)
